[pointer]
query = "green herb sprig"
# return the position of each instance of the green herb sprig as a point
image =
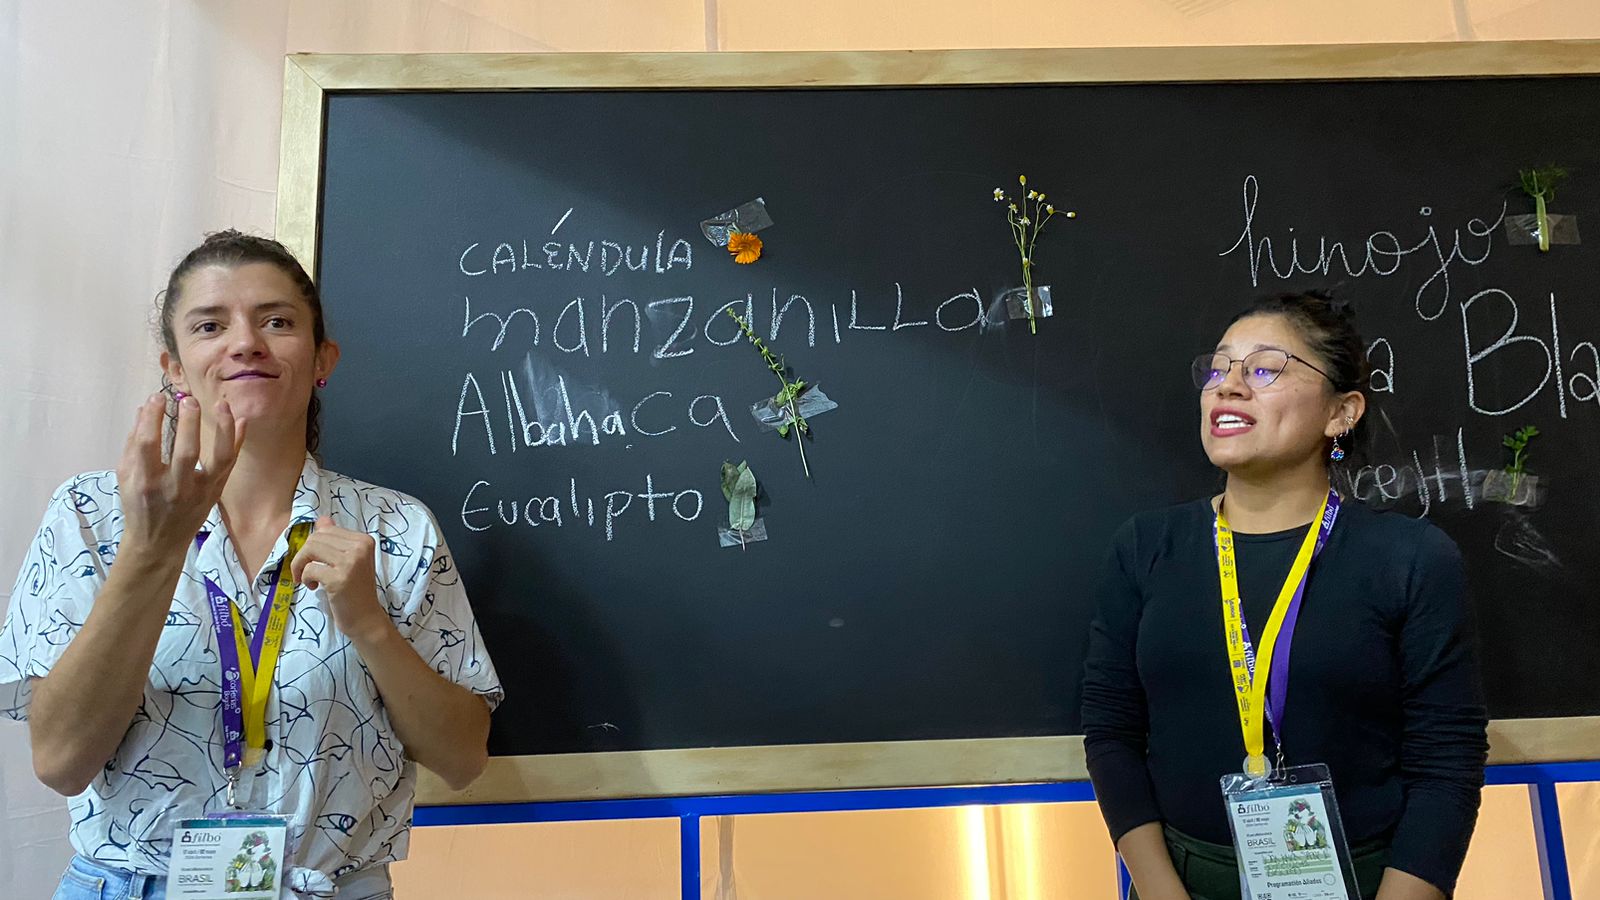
(1517, 442)
(1540, 184)
(786, 398)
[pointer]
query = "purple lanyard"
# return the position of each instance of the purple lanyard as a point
(1278, 678)
(227, 652)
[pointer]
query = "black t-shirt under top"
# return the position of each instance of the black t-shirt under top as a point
(1383, 680)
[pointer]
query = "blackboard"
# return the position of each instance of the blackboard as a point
(483, 257)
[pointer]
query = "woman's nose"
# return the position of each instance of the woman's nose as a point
(247, 341)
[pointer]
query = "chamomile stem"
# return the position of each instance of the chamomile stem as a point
(1027, 295)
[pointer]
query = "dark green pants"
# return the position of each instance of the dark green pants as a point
(1211, 872)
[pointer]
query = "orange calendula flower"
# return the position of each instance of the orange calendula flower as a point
(745, 247)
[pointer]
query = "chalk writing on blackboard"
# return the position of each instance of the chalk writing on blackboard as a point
(1382, 253)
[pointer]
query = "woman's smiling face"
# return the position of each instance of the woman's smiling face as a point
(245, 334)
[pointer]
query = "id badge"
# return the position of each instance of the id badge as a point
(228, 856)
(1288, 836)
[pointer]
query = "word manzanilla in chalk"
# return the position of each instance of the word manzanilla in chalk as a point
(591, 325)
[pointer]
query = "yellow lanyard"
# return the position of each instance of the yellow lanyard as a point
(256, 675)
(1250, 692)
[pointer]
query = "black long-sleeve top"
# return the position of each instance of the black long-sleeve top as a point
(1383, 680)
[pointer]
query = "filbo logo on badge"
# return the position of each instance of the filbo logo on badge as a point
(200, 837)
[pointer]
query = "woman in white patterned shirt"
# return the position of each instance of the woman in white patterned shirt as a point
(110, 648)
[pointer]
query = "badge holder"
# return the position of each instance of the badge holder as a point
(230, 854)
(1288, 835)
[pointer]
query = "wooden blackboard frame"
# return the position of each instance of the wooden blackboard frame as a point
(310, 78)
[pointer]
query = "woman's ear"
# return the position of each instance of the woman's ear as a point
(1352, 406)
(174, 371)
(327, 358)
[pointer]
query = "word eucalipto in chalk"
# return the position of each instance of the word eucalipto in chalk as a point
(481, 513)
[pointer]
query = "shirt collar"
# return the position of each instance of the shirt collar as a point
(310, 503)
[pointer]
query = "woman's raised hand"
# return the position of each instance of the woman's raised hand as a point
(165, 503)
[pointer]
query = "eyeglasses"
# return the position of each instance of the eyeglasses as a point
(1261, 368)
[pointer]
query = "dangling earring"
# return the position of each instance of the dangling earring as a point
(1337, 453)
(322, 382)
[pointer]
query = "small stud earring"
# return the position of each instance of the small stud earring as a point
(322, 382)
(177, 396)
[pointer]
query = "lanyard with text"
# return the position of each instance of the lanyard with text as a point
(1251, 691)
(247, 669)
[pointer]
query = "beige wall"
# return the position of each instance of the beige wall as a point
(127, 129)
(909, 24)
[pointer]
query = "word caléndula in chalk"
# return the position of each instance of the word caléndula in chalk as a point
(605, 257)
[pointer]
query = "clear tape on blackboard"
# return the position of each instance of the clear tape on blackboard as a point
(1521, 489)
(812, 401)
(728, 537)
(1524, 229)
(749, 217)
(1042, 306)
(1522, 542)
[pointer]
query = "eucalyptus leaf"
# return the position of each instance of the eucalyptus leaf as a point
(739, 487)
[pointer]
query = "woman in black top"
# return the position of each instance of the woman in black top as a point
(1383, 684)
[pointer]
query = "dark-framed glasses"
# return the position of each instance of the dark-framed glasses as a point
(1260, 368)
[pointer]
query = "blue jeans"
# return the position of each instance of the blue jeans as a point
(86, 879)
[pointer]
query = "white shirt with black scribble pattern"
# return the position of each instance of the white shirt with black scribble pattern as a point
(336, 767)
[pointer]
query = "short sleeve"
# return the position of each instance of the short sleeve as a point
(60, 576)
(439, 623)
